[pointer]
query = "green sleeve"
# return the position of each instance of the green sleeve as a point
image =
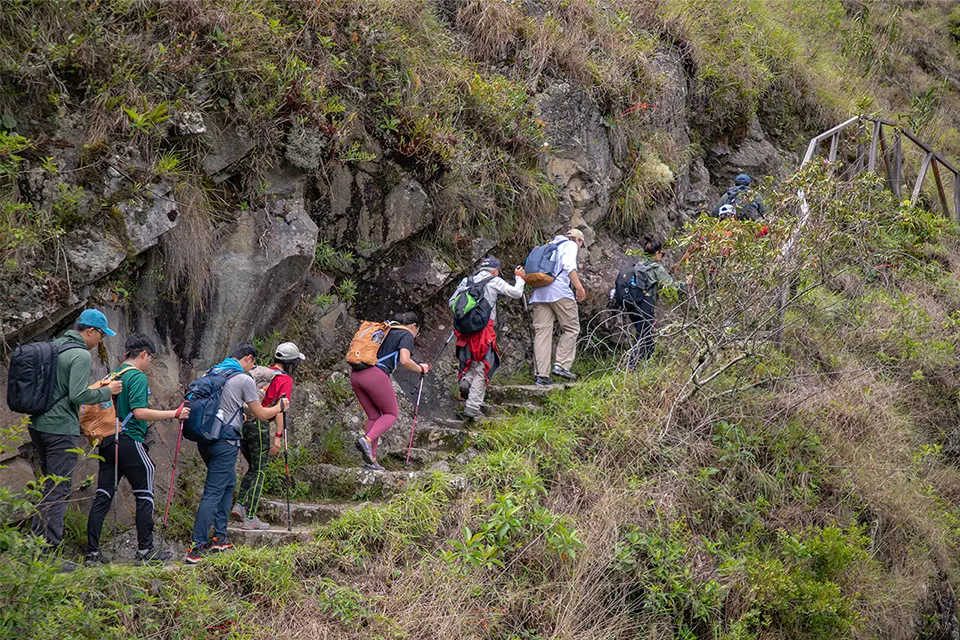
(136, 389)
(78, 380)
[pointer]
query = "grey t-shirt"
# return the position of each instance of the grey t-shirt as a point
(238, 391)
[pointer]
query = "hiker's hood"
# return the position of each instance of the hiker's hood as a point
(229, 364)
(72, 337)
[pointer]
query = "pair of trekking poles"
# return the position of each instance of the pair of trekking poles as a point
(173, 475)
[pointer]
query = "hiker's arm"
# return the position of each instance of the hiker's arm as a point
(77, 389)
(278, 434)
(407, 363)
(152, 415)
(261, 412)
(577, 287)
(511, 291)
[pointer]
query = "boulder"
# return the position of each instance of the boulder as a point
(229, 144)
(149, 215)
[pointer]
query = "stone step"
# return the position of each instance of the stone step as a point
(418, 456)
(441, 435)
(275, 535)
(275, 511)
(521, 393)
(355, 483)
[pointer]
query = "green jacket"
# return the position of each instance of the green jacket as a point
(659, 274)
(73, 376)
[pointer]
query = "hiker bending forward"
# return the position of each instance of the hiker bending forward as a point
(374, 389)
(477, 352)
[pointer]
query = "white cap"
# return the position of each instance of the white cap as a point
(288, 351)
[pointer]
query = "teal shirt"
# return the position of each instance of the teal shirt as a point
(135, 395)
(73, 377)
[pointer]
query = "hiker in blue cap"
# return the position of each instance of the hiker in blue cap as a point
(740, 201)
(54, 433)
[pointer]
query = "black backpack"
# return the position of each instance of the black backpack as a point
(633, 285)
(32, 378)
(471, 309)
(744, 203)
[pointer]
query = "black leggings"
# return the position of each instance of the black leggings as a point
(137, 467)
(642, 319)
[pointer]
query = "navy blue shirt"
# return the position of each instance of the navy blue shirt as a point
(397, 338)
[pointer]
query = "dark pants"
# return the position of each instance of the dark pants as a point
(642, 319)
(255, 448)
(220, 456)
(137, 467)
(55, 460)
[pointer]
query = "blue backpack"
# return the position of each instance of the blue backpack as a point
(205, 422)
(543, 264)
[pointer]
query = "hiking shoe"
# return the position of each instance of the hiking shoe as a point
(254, 524)
(196, 553)
(95, 558)
(373, 466)
(365, 450)
(543, 381)
(153, 555)
(217, 545)
(464, 392)
(239, 512)
(563, 373)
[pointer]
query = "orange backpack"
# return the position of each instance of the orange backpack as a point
(97, 421)
(366, 343)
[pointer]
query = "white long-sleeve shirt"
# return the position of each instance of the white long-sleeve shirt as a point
(494, 287)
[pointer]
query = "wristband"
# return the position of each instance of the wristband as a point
(421, 368)
(278, 435)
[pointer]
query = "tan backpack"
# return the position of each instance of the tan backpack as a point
(97, 421)
(366, 343)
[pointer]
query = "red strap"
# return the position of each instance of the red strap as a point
(179, 409)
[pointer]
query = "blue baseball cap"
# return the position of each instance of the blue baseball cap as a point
(95, 319)
(742, 180)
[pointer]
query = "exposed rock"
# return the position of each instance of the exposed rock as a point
(188, 123)
(406, 211)
(149, 215)
(92, 253)
(755, 155)
(228, 145)
(305, 147)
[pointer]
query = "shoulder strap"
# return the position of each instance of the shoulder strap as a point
(62, 348)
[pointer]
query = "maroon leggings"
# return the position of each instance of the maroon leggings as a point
(376, 395)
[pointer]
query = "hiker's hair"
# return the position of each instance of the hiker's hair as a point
(136, 343)
(80, 328)
(407, 318)
(651, 245)
(289, 366)
(243, 350)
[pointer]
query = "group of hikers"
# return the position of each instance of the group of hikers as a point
(238, 407)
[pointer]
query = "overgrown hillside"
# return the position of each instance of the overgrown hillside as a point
(785, 468)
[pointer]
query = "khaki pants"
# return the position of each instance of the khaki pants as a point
(564, 311)
(475, 381)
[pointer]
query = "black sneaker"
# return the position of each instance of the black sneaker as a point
(153, 555)
(196, 553)
(543, 381)
(563, 373)
(217, 545)
(95, 558)
(365, 450)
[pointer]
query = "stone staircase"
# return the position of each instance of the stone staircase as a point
(440, 445)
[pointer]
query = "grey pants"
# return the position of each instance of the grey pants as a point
(54, 461)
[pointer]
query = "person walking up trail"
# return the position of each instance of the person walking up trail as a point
(134, 461)
(477, 352)
(374, 389)
(54, 433)
(636, 292)
(557, 302)
(740, 201)
(220, 455)
(274, 382)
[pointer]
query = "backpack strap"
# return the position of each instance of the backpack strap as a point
(62, 348)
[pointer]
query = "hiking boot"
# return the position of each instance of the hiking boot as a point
(217, 545)
(153, 555)
(239, 512)
(563, 373)
(373, 466)
(196, 553)
(469, 414)
(254, 524)
(95, 558)
(365, 450)
(543, 381)
(464, 391)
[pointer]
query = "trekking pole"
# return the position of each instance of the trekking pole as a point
(286, 464)
(444, 347)
(416, 412)
(533, 341)
(116, 479)
(173, 476)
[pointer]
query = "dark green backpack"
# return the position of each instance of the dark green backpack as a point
(633, 284)
(471, 309)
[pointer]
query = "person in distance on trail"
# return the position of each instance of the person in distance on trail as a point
(275, 382)
(54, 433)
(740, 202)
(220, 456)
(374, 389)
(134, 459)
(636, 293)
(557, 302)
(477, 352)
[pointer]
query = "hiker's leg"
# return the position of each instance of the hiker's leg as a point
(227, 465)
(56, 460)
(568, 317)
(543, 340)
(250, 434)
(378, 386)
(366, 402)
(210, 497)
(644, 327)
(102, 499)
(478, 389)
(139, 470)
(259, 459)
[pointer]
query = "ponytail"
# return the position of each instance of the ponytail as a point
(651, 245)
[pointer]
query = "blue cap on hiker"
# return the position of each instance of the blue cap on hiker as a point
(95, 319)
(742, 180)
(490, 263)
